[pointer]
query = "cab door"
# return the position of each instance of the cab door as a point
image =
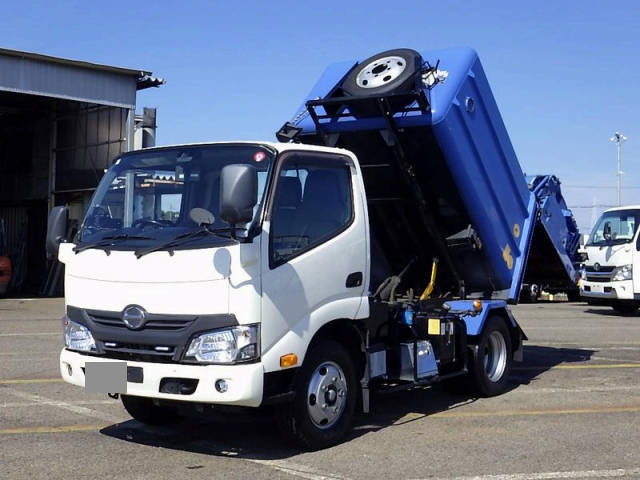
(314, 251)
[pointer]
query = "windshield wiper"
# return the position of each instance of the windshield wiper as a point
(183, 238)
(108, 241)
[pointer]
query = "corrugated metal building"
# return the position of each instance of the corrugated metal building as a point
(62, 123)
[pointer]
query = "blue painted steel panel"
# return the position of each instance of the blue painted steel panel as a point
(485, 167)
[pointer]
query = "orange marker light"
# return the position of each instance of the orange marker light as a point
(477, 305)
(288, 360)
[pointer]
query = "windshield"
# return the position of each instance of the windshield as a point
(145, 198)
(615, 228)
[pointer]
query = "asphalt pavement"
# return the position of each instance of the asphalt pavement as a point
(573, 411)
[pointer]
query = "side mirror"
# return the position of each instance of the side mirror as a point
(606, 232)
(56, 230)
(238, 193)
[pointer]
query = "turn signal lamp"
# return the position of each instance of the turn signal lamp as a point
(288, 360)
(477, 305)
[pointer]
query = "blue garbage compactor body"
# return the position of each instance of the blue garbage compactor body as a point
(448, 141)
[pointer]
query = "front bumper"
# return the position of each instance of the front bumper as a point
(619, 290)
(245, 381)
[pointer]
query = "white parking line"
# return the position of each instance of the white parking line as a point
(609, 359)
(297, 470)
(617, 473)
(39, 404)
(87, 412)
(35, 334)
(22, 354)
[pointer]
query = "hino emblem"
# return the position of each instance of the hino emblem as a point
(596, 267)
(134, 317)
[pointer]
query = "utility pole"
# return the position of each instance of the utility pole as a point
(618, 138)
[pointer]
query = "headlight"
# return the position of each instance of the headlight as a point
(624, 272)
(583, 273)
(228, 345)
(78, 337)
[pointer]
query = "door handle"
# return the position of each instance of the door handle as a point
(354, 280)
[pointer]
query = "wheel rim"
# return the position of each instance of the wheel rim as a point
(326, 395)
(495, 356)
(381, 72)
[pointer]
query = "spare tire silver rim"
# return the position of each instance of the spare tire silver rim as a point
(495, 356)
(380, 72)
(326, 395)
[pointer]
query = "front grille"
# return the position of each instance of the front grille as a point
(602, 269)
(155, 322)
(139, 352)
(591, 278)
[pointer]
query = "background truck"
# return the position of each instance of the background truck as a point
(613, 260)
(376, 247)
(540, 274)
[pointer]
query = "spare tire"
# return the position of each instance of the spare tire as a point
(393, 71)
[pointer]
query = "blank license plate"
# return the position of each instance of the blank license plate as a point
(105, 377)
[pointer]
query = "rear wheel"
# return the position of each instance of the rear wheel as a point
(325, 398)
(490, 365)
(145, 411)
(529, 293)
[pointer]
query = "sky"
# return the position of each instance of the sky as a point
(565, 74)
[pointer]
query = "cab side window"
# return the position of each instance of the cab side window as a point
(312, 203)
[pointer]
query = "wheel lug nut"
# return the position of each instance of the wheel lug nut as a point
(334, 379)
(324, 388)
(324, 406)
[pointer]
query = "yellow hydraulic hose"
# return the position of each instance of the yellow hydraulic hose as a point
(432, 283)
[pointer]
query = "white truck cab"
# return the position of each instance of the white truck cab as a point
(610, 273)
(144, 265)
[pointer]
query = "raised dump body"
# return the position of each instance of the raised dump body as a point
(441, 175)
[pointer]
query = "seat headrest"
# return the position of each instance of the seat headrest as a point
(289, 192)
(323, 186)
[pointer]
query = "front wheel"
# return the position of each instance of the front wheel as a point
(625, 308)
(145, 411)
(490, 364)
(325, 398)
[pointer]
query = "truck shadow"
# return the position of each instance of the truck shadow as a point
(251, 434)
(608, 312)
